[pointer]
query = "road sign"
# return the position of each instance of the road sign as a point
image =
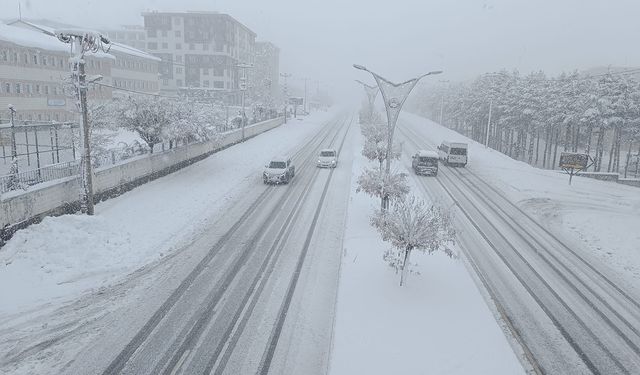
(574, 160)
(572, 163)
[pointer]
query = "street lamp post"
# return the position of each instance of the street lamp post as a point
(286, 93)
(394, 95)
(243, 87)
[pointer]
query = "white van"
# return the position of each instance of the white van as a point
(453, 153)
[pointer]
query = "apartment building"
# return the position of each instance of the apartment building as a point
(132, 69)
(267, 68)
(33, 69)
(131, 35)
(200, 51)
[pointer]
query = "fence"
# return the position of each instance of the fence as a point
(23, 208)
(37, 144)
(36, 176)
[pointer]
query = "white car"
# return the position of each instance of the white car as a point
(279, 171)
(328, 158)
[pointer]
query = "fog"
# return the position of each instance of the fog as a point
(399, 39)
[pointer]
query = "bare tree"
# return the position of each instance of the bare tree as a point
(412, 224)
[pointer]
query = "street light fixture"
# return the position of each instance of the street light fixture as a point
(394, 95)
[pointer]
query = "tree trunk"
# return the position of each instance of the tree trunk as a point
(555, 149)
(567, 138)
(637, 162)
(626, 165)
(546, 147)
(531, 147)
(405, 264)
(611, 149)
(618, 150)
(576, 139)
(600, 148)
(537, 145)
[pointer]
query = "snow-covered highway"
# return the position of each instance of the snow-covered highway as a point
(569, 312)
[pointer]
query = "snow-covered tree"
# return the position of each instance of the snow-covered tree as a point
(148, 116)
(376, 183)
(411, 224)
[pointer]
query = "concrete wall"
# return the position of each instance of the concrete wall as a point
(19, 209)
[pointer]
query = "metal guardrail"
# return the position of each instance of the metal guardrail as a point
(36, 176)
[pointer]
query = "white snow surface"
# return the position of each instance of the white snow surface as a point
(600, 217)
(62, 257)
(438, 323)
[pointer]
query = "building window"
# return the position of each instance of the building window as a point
(178, 34)
(165, 45)
(44, 60)
(178, 46)
(205, 71)
(205, 47)
(164, 33)
(152, 33)
(205, 83)
(176, 20)
(165, 82)
(37, 89)
(4, 56)
(152, 45)
(179, 58)
(218, 84)
(35, 59)
(26, 59)
(217, 71)
(178, 70)
(192, 46)
(46, 90)
(179, 82)
(7, 88)
(18, 88)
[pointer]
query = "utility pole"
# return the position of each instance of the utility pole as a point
(441, 109)
(305, 96)
(14, 147)
(286, 94)
(83, 41)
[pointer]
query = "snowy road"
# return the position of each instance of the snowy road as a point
(571, 314)
(240, 295)
(228, 314)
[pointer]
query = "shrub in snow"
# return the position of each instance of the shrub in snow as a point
(412, 224)
(377, 183)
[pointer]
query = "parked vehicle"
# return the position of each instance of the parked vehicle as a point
(279, 171)
(425, 162)
(328, 158)
(453, 153)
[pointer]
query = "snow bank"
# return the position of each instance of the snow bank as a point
(61, 255)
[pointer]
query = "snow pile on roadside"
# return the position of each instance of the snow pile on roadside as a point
(598, 215)
(64, 253)
(438, 323)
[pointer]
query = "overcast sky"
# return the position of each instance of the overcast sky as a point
(320, 39)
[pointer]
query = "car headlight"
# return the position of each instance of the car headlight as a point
(319, 161)
(333, 161)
